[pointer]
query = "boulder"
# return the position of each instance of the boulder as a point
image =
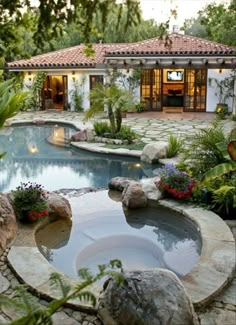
(146, 297)
(133, 196)
(119, 183)
(150, 189)
(8, 224)
(79, 136)
(152, 152)
(59, 207)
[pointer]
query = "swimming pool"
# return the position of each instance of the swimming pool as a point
(31, 156)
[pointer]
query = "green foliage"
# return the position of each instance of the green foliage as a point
(175, 144)
(220, 170)
(101, 127)
(204, 153)
(126, 133)
(34, 100)
(32, 313)
(29, 202)
(51, 17)
(214, 22)
(218, 194)
(12, 99)
(139, 107)
(111, 98)
(224, 198)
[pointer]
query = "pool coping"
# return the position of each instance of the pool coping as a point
(212, 273)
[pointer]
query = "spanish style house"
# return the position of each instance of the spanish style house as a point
(175, 74)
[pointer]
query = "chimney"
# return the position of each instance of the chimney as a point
(175, 29)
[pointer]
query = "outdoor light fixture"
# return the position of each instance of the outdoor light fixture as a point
(220, 70)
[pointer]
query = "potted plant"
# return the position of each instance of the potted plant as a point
(30, 202)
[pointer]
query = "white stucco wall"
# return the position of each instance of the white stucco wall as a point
(212, 98)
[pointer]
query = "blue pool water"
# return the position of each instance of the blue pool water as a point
(31, 156)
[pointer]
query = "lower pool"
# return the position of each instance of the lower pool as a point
(102, 230)
(33, 156)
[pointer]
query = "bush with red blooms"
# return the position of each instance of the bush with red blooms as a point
(175, 183)
(30, 202)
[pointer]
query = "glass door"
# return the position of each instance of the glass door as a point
(195, 90)
(151, 89)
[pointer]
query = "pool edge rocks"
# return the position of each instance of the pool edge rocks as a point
(208, 277)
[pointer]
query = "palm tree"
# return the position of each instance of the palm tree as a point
(112, 99)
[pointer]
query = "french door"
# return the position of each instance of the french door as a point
(195, 90)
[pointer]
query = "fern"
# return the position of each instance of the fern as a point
(34, 314)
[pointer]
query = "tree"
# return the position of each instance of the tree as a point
(52, 14)
(112, 98)
(215, 22)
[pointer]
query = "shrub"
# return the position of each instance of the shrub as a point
(175, 144)
(29, 202)
(101, 128)
(218, 195)
(204, 153)
(175, 183)
(126, 133)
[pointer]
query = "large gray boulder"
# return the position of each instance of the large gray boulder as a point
(59, 207)
(149, 297)
(119, 183)
(152, 152)
(133, 196)
(8, 224)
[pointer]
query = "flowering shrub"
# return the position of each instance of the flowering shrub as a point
(175, 183)
(29, 201)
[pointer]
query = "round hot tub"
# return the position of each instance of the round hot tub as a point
(103, 230)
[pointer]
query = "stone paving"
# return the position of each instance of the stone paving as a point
(223, 309)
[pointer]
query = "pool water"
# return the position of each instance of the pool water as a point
(33, 156)
(102, 230)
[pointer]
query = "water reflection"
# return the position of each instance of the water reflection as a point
(103, 230)
(32, 155)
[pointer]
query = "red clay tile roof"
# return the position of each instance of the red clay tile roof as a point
(180, 45)
(74, 57)
(71, 57)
